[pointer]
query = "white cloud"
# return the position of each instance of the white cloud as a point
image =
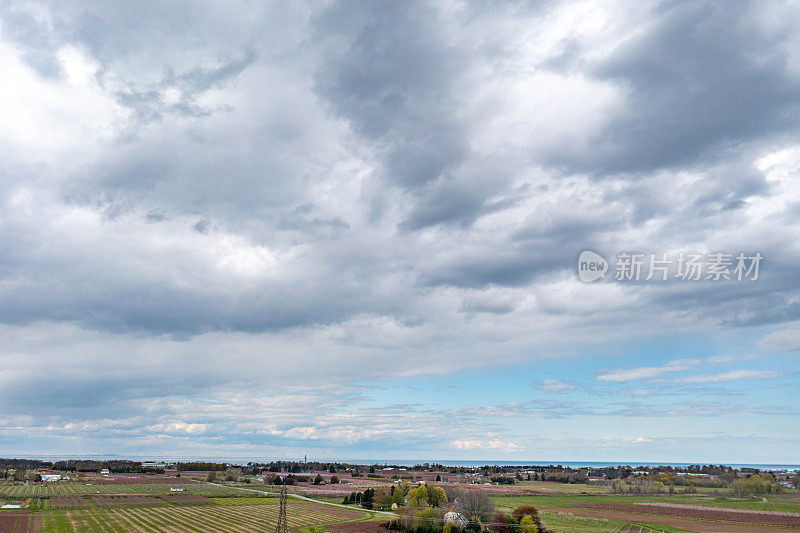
(367, 194)
(487, 445)
(556, 385)
(176, 427)
(647, 372)
(732, 375)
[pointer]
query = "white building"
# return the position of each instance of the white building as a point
(51, 477)
(456, 519)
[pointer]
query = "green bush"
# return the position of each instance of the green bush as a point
(425, 522)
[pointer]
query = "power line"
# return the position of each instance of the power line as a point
(283, 526)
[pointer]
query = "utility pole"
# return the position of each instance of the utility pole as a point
(283, 526)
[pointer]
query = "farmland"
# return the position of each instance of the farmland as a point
(40, 490)
(169, 513)
(236, 499)
(250, 517)
(607, 513)
(707, 513)
(553, 501)
(90, 503)
(124, 506)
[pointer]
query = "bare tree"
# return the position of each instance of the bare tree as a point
(471, 502)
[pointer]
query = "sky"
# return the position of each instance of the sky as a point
(352, 230)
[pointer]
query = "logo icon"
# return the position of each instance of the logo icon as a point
(591, 266)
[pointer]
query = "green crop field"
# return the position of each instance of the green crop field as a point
(581, 524)
(254, 517)
(568, 488)
(68, 511)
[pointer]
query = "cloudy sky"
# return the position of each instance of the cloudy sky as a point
(351, 230)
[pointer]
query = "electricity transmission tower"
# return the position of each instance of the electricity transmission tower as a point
(282, 524)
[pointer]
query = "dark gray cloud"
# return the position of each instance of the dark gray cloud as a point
(392, 75)
(698, 84)
(700, 77)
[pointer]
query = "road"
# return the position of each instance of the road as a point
(306, 498)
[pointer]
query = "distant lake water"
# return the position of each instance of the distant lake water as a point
(410, 462)
(572, 464)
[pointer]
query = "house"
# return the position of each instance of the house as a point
(176, 489)
(104, 471)
(51, 477)
(457, 519)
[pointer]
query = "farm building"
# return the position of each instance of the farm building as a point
(51, 477)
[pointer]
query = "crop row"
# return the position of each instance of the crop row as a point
(199, 519)
(703, 514)
(67, 489)
(18, 521)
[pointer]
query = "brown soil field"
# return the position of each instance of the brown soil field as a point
(705, 508)
(115, 501)
(701, 526)
(68, 502)
(187, 499)
(703, 514)
(356, 527)
(18, 522)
